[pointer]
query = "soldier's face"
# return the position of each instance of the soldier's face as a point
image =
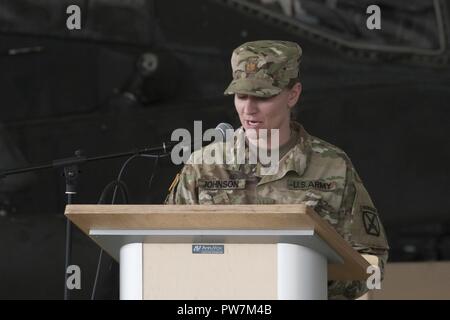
(267, 113)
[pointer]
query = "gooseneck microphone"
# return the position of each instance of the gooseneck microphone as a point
(222, 128)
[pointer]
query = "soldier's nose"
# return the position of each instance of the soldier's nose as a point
(250, 106)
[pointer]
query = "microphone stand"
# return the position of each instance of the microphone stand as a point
(71, 173)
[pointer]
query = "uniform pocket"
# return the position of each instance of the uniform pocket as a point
(213, 197)
(319, 201)
(220, 191)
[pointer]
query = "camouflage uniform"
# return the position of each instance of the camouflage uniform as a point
(312, 172)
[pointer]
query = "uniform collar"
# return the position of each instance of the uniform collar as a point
(296, 159)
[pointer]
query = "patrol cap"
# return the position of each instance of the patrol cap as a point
(264, 68)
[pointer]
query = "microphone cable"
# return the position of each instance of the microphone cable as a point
(118, 184)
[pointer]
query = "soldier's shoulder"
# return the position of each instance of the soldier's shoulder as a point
(195, 157)
(325, 149)
(199, 155)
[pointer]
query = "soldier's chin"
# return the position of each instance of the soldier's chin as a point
(253, 134)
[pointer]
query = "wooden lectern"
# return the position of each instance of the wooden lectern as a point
(220, 251)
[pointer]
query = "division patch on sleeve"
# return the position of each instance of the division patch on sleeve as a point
(370, 219)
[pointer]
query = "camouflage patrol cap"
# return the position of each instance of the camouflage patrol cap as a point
(264, 68)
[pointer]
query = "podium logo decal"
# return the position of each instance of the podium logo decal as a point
(207, 249)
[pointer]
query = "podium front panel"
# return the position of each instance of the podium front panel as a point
(242, 271)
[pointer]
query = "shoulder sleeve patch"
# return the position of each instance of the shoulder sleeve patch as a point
(370, 220)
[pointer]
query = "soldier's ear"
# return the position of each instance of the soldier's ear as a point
(294, 94)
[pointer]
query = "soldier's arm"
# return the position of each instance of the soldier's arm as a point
(183, 189)
(360, 225)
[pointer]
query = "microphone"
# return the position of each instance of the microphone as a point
(222, 128)
(219, 133)
(181, 144)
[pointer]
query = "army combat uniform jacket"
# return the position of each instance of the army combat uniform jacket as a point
(312, 172)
